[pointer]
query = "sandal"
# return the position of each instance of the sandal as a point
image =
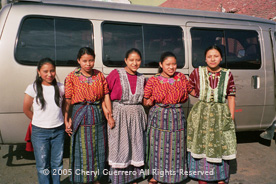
(153, 181)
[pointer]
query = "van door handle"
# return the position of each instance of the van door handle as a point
(255, 82)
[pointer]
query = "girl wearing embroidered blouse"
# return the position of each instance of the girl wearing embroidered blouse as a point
(85, 89)
(126, 139)
(211, 139)
(42, 105)
(166, 138)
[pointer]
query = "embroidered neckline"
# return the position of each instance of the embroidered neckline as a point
(214, 74)
(85, 79)
(170, 80)
(210, 74)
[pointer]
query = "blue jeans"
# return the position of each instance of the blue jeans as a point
(48, 150)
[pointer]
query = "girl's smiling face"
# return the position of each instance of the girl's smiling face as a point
(48, 73)
(133, 62)
(168, 66)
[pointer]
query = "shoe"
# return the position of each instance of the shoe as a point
(152, 181)
(202, 182)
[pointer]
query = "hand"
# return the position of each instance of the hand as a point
(111, 122)
(68, 127)
(233, 116)
(107, 114)
(149, 102)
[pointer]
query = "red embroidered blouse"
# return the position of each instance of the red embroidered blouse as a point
(80, 88)
(168, 90)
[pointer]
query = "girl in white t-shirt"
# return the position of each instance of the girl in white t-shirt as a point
(42, 104)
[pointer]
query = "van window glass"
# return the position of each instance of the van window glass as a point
(159, 39)
(240, 48)
(71, 35)
(56, 38)
(202, 39)
(117, 39)
(243, 49)
(151, 40)
(36, 41)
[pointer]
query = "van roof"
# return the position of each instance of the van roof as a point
(147, 9)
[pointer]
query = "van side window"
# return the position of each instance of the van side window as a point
(117, 39)
(202, 39)
(240, 48)
(56, 38)
(151, 40)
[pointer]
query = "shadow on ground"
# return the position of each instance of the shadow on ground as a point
(253, 136)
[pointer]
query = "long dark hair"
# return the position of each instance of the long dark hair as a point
(85, 50)
(164, 56)
(38, 84)
(213, 47)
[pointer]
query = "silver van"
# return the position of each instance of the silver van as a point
(33, 29)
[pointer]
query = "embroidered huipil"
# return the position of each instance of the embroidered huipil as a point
(168, 90)
(81, 88)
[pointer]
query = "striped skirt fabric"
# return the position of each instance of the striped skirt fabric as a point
(166, 143)
(88, 144)
(126, 175)
(206, 171)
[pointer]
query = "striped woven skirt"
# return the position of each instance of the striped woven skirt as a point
(88, 143)
(206, 171)
(126, 175)
(166, 143)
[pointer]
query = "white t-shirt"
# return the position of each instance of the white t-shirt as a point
(51, 115)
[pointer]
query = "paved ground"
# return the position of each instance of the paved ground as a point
(255, 163)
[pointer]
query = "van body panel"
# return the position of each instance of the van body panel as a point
(255, 87)
(149, 9)
(3, 15)
(14, 128)
(269, 93)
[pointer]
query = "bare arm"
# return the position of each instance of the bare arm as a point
(107, 103)
(232, 104)
(27, 106)
(67, 118)
(193, 93)
(107, 108)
